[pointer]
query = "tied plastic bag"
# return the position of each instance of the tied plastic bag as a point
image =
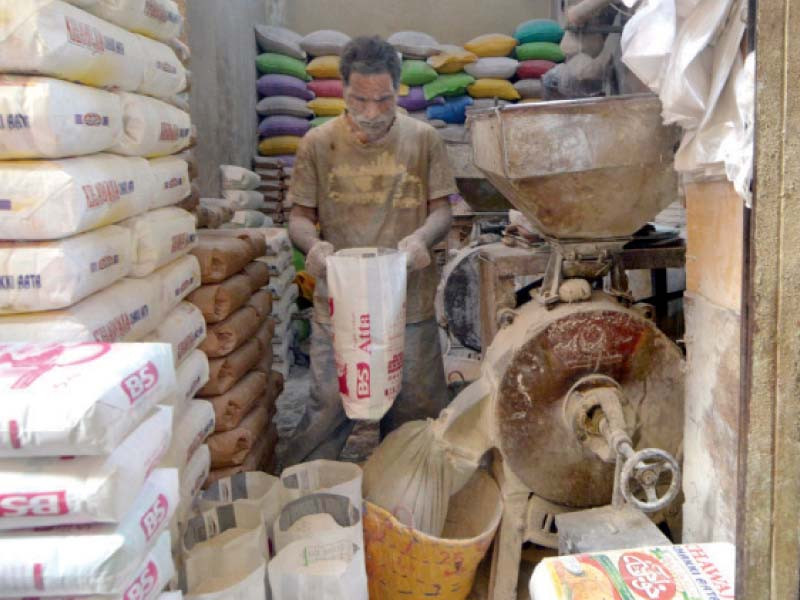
(90, 559)
(647, 41)
(78, 399)
(416, 469)
(367, 289)
(44, 492)
(39, 276)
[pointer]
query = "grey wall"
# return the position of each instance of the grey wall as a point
(223, 95)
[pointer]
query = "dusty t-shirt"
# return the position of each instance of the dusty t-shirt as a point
(373, 195)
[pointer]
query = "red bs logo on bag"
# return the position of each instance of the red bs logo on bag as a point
(363, 389)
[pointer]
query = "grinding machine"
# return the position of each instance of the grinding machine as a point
(584, 394)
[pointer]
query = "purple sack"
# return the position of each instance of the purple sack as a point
(284, 85)
(415, 100)
(283, 125)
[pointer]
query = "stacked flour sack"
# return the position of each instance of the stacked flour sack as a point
(94, 525)
(416, 48)
(87, 183)
(493, 71)
(538, 52)
(283, 92)
(325, 47)
(285, 293)
(243, 193)
(275, 174)
(239, 396)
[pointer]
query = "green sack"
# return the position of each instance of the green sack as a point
(271, 63)
(417, 72)
(448, 85)
(320, 121)
(540, 51)
(539, 30)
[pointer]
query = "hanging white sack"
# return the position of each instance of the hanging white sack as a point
(190, 432)
(647, 41)
(37, 276)
(53, 38)
(184, 329)
(90, 559)
(367, 288)
(238, 178)
(191, 375)
(164, 75)
(123, 312)
(176, 281)
(171, 181)
(151, 128)
(78, 399)
(326, 566)
(158, 19)
(226, 554)
(159, 237)
(48, 200)
(49, 118)
(44, 492)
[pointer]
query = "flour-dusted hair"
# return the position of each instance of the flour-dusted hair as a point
(370, 56)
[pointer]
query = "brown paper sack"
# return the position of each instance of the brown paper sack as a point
(259, 458)
(226, 336)
(262, 302)
(258, 272)
(225, 372)
(220, 257)
(230, 448)
(231, 407)
(219, 301)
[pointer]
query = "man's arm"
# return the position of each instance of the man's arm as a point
(417, 245)
(303, 232)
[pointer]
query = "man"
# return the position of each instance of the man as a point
(371, 178)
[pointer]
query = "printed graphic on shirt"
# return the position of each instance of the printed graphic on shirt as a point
(374, 183)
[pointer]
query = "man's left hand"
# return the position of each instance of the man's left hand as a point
(417, 253)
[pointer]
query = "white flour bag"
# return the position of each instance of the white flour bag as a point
(158, 19)
(243, 199)
(191, 375)
(164, 75)
(123, 312)
(151, 128)
(367, 288)
(238, 178)
(172, 184)
(43, 492)
(51, 37)
(176, 281)
(36, 276)
(159, 237)
(48, 200)
(49, 118)
(78, 399)
(184, 329)
(190, 432)
(89, 559)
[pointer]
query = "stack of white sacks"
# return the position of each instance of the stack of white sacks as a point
(87, 182)
(241, 202)
(96, 525)
(285, 293)
(303, 530)
(276, 177)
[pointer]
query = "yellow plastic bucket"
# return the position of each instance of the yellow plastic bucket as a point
(404, 563)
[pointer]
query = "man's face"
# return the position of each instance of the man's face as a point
(371, 102)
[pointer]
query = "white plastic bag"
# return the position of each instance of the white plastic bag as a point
(243, 199)
(164, 75)
(647, 41)
(90, 559)
(78, 399)
(281, 310)
(279, 285)
(159, 237)
(176, 281)
(277, 263)
(325, 566)
(158, 19)
(172, 183)
(46, 200)
(192, 480)
(37, 276)
(151, 128)
(123, 312)
(51, 37)
(367, 289)
(49, 118)
(191, 375)
(184, 329)
(43, 492)
(190, 433)
(238, 178)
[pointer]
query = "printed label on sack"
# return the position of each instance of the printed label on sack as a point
(158, 12)
(140, 382)
(15, 121)
(39, 504)
(154, 517)
(28, 281)
(144, 585)
(173, 182)
(92, 120)
(91, 38)
(172, 133)
(25, 364)
(106, 192)
(363, 389)
(188, 343)
(181, 241)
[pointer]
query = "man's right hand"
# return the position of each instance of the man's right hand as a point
(316, 265)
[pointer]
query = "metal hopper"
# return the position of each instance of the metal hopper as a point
(580, 169)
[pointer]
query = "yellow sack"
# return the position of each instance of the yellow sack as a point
(493, 88)
(324, 67)
(452, 60)
(327, 107)
(282, 144)
(491, 44)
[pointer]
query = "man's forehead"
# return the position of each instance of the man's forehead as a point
(375, 83)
